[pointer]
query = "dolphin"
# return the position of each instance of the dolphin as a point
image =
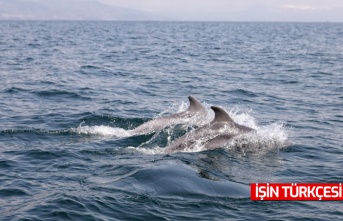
(212, 135)
(195, 110)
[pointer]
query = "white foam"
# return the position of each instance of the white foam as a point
(269, 137)
(243, 117)
(149, 151)
(266, 137)
(101, 130)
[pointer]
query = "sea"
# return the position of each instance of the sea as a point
(71, 90)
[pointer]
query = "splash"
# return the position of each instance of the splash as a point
(270, 137)
(149, 151)
(101, 130)
(242, 117)
(273, 136)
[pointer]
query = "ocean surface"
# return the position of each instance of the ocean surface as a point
(70, 91)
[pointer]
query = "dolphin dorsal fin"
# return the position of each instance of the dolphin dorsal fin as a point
(194, 104)
(220, 115)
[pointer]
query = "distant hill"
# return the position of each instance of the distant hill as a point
(68, 10)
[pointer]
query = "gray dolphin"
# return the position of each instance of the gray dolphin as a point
(195, 109)
(212, 135)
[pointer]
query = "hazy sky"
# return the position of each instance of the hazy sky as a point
(262, 10)
(185, 10)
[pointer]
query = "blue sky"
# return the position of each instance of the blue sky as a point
(260, 10)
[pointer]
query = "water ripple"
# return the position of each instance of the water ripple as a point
(71, 90)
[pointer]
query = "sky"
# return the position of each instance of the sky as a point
(176, 10)
(235, 10)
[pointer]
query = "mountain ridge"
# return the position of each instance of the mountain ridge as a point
(69, 10)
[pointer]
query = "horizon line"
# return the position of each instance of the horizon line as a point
(211, 21)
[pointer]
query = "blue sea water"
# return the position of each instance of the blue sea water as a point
(70, 91)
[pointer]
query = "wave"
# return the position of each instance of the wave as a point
(35, 131)
(173, 180)
(60, 93)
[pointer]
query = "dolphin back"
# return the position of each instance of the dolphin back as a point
(195, 109)
(194, 105)
(220, 115)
